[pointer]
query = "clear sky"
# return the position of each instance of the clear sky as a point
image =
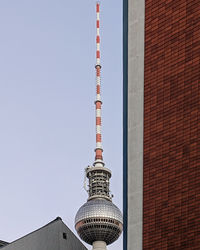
(47, 113)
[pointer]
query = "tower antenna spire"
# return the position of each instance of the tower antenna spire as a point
(98, 102)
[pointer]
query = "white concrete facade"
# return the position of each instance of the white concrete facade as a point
(134, 126)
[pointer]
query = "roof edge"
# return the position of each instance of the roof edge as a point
(51, 222)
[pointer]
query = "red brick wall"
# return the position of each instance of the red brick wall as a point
(172, 125)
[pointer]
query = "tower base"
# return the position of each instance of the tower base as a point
(99, 245)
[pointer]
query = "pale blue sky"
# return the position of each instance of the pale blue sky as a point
(47, 116)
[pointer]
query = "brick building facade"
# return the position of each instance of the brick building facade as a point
(170, 101)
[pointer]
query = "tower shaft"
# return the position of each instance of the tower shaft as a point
(99, 245)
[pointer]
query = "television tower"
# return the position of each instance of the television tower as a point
(98, 222)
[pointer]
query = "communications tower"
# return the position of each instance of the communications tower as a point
(98, 222)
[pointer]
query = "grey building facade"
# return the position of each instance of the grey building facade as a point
(133, 96)
(53, 236)
(3, 243)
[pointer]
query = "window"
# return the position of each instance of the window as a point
(64, 236)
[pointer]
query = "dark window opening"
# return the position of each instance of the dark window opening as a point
(64, 236)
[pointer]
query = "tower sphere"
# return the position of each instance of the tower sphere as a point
(99, 220)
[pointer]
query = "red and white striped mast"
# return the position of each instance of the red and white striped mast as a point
(98, 102)
(98, 174)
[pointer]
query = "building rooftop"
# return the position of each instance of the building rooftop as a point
(53, 236)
